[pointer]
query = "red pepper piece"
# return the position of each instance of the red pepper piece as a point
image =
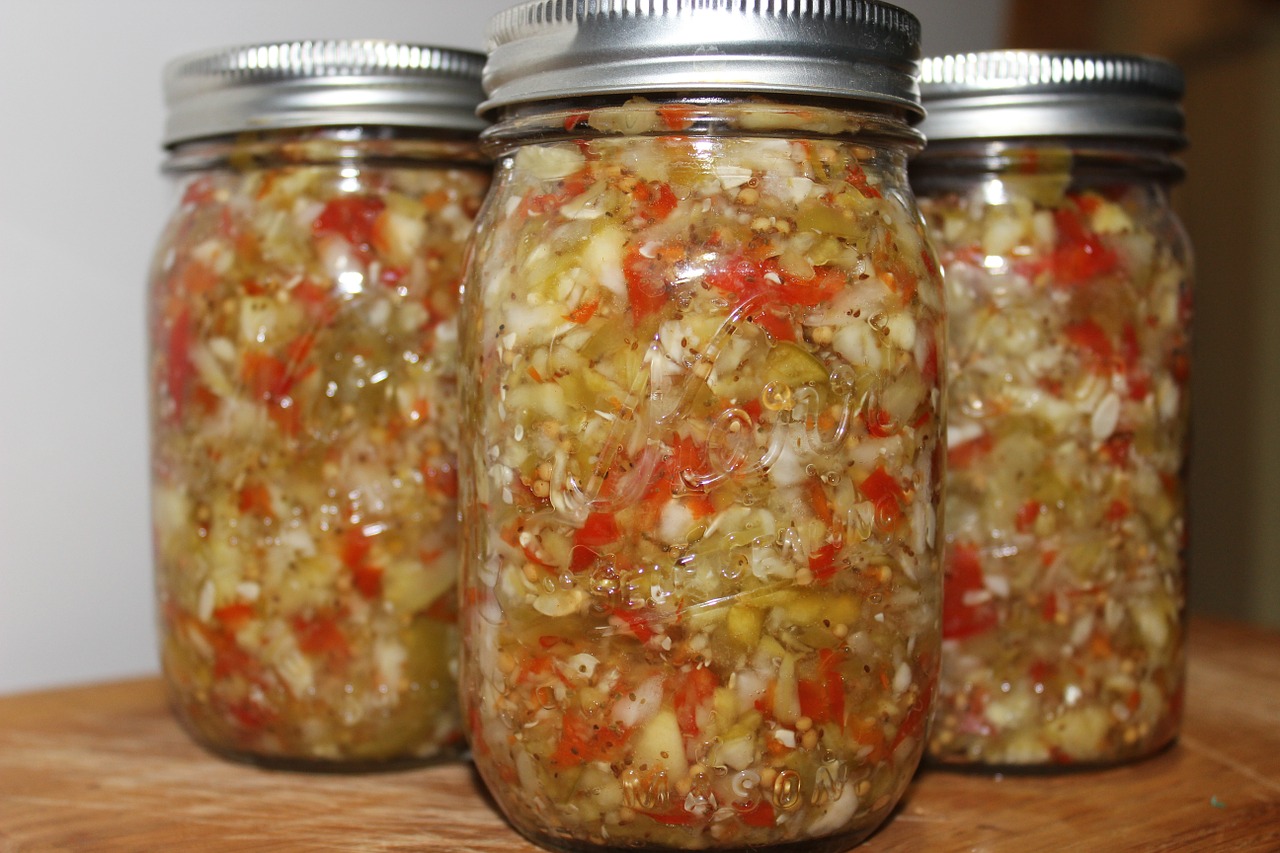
(741, 277)
(676, 116)
(1130, 346)
(930, 263)
(699, 505)
(1027, 515)
(320, 636)
(748, 279)
(441, 479)
(356, 550)
(599, 529)
(249, 715)
(809, 292)
(822, 562)
(445, 607)
(675, 816)
(1080, 255)
(255, 499)
(1131, 353)
(180, 371)
(879, 423)
(584, 312)
(765, 703)
(914, 722)
(646, 287)
(636, 623)
(537, 204)
(822, 697)
(777, 327)
(1118, 447)
(267, 377)
(858, 180)
(318, 301)
(1049, 608)
(234, 616)
(695, 691)
(868, 733)
(761, 814)
(353, 218)
(1087, 202)
(195, 279)
(1091, 339)
(883, 490)
(1041, 671)
(968, 452)
(929, 370)
(199, 192)
(820, 504)
(681, 470)
(581, 741)
(900, 277)
(656, 200)
(1118, 510)
(272, 379)
(964, 575)
(367, 580)
(230, 660)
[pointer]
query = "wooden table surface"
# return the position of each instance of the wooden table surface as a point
(104, 768)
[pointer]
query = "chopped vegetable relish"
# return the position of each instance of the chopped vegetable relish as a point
(1064, 590)
(701, 574)
(305, 424)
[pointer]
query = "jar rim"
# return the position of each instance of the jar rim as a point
(1010, 94)
(863, 50)
(291, 84)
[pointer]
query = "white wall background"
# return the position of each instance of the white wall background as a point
(81, 202)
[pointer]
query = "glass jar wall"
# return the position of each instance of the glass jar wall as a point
(1068, 292)
(701, 572)
(304, 403)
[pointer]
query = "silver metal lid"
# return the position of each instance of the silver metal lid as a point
(1014, 93)
(321, 83)
(850, 49)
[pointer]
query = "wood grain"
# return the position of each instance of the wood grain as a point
(104, 767)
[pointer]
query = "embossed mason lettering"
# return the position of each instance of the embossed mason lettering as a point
(788, 790)
(829, 782)
(649, 791)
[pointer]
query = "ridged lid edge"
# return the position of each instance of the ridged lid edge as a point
(856, 49)
(528, 18)
(326, 58)
(1026, 93)
(1048, 71)
(321, 83)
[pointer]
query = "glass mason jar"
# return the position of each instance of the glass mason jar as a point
(1045, 186)
(304, 398)
(700, 334)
